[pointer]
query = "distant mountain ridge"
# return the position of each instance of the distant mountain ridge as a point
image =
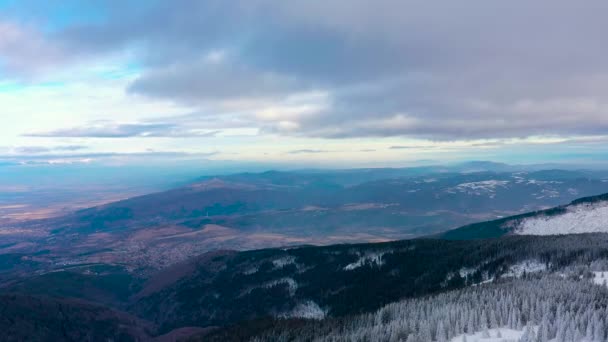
(273, 190)
(279, 208)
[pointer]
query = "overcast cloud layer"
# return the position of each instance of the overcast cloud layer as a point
(435, 70)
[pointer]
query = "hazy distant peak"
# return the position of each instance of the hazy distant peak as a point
(217, 183)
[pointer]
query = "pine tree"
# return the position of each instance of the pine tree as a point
(485, 333)
(471, 324)
(599, 333)
(441, 334)
(543, 331)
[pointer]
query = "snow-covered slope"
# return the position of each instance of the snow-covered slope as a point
(525, 267)
(600, 278)
(492, 335)
(581, 218)
(585, 215)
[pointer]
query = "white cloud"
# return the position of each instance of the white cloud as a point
(262, 78)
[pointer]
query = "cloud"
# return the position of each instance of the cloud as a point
(481, 70)
(71, 148)
(45, 149)
(404, 147)
(489, 144)
(307, 151)
(204, 81)
(31, 149)
(80, 158)
(116, 130)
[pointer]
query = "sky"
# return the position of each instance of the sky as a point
(333, 82)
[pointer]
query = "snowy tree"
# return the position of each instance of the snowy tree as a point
(552, 309)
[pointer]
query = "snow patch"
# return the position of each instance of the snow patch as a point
(466, 271)
(528, 266)
(518, 179)
(284, 261)
(463, 272)
(492, 335)
(307, 310)
(479, 188)
(251, 270)
(487, 281)
(371, 258)
(292, 285)
(582, 218)
(547, 193)
(600, 278)
(539, 182)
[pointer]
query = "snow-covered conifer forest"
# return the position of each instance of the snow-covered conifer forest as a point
(555, 307)
(516, 288)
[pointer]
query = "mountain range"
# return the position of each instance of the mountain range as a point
(273, 209)
(164, 266)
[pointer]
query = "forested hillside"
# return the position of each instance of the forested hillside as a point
(35, 318)
(549, 308)
(342, 280)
